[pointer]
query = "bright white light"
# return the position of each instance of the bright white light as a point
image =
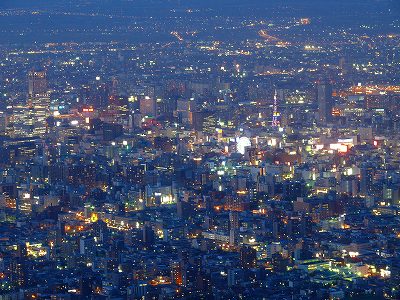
(242, 143)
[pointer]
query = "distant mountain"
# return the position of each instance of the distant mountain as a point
(69, 20)
(316, 5)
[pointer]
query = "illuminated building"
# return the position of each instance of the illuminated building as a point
(305, 21)
(242, 143)
(118, 105)
(234, 220)
(24, 203)
(160, 195)
(38, 102)
(135, 174)
(18, 272)
(184, 111)
(20, 122)
(177, 273)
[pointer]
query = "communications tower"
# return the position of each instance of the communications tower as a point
(275, 114)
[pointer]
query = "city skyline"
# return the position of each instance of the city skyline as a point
(174, 149)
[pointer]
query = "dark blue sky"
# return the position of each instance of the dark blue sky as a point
(309, 4)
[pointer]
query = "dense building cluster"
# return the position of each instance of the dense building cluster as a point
(261, 164)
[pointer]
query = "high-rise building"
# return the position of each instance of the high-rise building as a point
(38, 102)
(325, 102)
(178, 273)
(184, 111)
(234, 220)
(3, 122)
(37, 82)
(147, 106)
(20, 121)
(366, 180)
(18, 272)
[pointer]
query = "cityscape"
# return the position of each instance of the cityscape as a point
(171, 149)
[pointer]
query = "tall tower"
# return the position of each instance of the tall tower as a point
(325, 101)
(38, 102)
(275, 113)
(37, 82)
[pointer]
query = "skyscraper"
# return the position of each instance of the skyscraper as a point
(178, 273)
(38, 102)
(325, 102)
(37, 82)
(366, 180)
